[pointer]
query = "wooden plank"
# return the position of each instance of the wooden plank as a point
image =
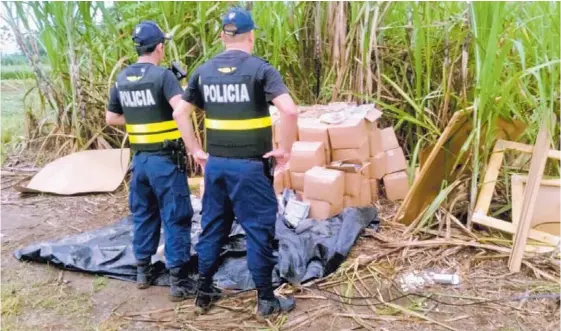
(524, 148)
(517, 195)
(412, 204)
(535, 175)
(544, 182)
(508, 227)
(490, 179)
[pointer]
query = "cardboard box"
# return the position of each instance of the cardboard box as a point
(374, 189)
(378, 166)
(363, 199)
(365, 194)
(361, 153)
(350, 201)
(276, 131)
(349, 126)
(348, 134)
(340, 105)
(388, 139)
(353, 184)
(297, 181)
(375, 142)
(328, 156)
(369, 112)
(278, 181)
(321, 210)
(395, 160)
(311, 129)
(306, 155)
(396, 185)
(325, 185)
(287, 181)
(355, 172)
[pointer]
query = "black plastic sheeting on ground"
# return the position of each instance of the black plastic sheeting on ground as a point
(313, 250)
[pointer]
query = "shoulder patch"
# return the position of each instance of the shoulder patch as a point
(227, 70)
(134, 78)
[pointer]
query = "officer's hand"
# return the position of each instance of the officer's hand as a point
(200, 157)
(280, 155)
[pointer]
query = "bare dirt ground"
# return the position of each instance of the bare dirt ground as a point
(40, 297)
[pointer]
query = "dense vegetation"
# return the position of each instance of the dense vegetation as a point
(420, 62)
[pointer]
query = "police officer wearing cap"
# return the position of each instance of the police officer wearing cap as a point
(142, 99)
(235, 89)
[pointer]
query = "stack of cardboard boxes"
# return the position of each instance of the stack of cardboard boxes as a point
(389, 163)
(316, 169)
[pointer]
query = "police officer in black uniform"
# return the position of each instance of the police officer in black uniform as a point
(142, 99)
(234, 89)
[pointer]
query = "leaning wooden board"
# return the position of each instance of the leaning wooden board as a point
(443, 161)
(535, 175)
(439, 163)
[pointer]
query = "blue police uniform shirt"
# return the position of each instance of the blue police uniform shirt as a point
(170, 87)
(270, 79)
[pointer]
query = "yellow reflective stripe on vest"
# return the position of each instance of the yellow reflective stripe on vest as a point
(154, 138)
(254, 123)
(151, 127)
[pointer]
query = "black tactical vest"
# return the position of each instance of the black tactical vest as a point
(147, 112)
(238, 124)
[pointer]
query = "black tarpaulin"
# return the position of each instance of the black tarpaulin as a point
(312, 250)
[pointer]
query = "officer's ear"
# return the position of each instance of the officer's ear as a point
(251, 36)
(160, 48)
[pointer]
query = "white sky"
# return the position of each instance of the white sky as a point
(7, 47)
(10, 46)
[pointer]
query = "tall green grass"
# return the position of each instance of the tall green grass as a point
(19, 71)
(419, 61)
(17, 98)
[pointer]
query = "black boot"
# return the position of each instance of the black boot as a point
(273, 306)
(145, 274)
(182, 287)
(206, 295)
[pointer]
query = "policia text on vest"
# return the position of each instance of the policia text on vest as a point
(136, 98)
(226, 93)
(148, 114)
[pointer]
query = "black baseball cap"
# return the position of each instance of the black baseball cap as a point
(240, 19)
(148, 33)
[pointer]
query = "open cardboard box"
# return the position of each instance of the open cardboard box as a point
(355, 171)
(349, 165)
